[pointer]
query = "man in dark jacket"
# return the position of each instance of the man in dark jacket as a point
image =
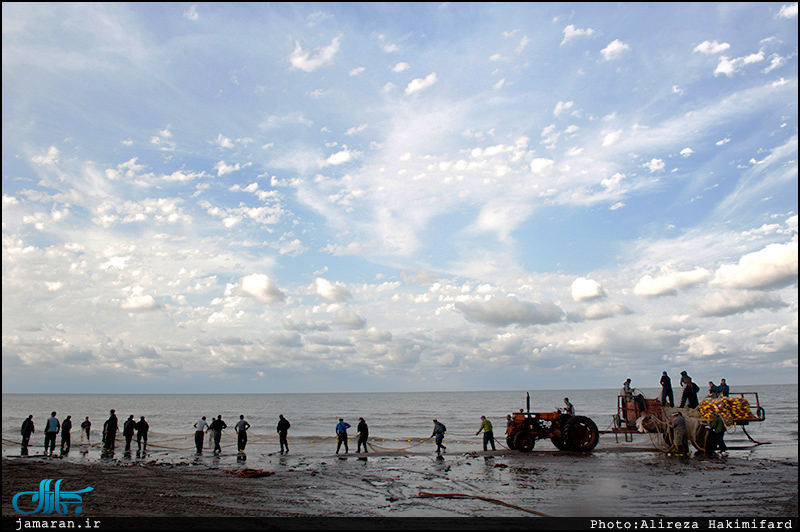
(218, 426)
(283, 431)
(110, 428)
(66, 427)
(26, 430)
(438, 431)
(127, 430)
(363, 434)
(666, 390)
(142, 426)
(689, 394)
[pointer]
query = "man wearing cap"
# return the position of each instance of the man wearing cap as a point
(680, 439)
(488, 434)
(283, 431)
(438, 431)
(341, 435)
(666, 390)
(363, 434)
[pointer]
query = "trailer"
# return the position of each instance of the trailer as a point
(637, 414)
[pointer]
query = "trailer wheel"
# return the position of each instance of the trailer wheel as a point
(704, 439)
(581, 434)
(524, 442)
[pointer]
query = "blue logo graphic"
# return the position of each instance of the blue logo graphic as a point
(51, 501)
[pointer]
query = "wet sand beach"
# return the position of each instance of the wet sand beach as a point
(615, 482)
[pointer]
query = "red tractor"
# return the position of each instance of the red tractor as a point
(568, 433)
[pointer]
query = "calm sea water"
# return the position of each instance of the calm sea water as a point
(396, 420)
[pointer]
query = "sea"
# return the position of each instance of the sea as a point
(397, 421)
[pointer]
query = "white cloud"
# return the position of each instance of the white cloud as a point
(654, 165)
(137, 301)
(223, 142)
(561, 107)
(729, 67)
(584, 289)
(223, 168)
(614, 50)
(258, 286)
(736, 302)
(420, 84)
(386, 46)
(570, 32)
(305, 61)
(401, 67)
(788, 11)
(686, 152)
(774, 266)
(329, 291)
(502, 311)
(191, 13)
(49, 159)
(355, 129)
(669, 283)
(541, 166)
(356, 71)
(347, 319)
(611, 137)
(343, 156)
(708, 47)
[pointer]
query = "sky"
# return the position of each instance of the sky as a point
(346, 197)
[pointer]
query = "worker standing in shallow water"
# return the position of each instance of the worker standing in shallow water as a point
(50, 430)
(438, 431)
(86, 427)
(26, 430)
(200, 433)
(283, 431)
(241, 429)
(110, 428)
(341, 435)
(66, 428)
(363, 434)
(128, 429)
(142, 427)
(488, 434)
(218, 425)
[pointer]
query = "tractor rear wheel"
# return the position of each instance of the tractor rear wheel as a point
(510, 442)
(581, 434)
(524, 442)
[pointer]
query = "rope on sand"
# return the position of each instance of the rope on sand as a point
(249, 473)
(426, 495)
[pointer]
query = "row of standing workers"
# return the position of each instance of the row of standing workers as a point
(110, 428)
(216, 427)
(242, 426)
